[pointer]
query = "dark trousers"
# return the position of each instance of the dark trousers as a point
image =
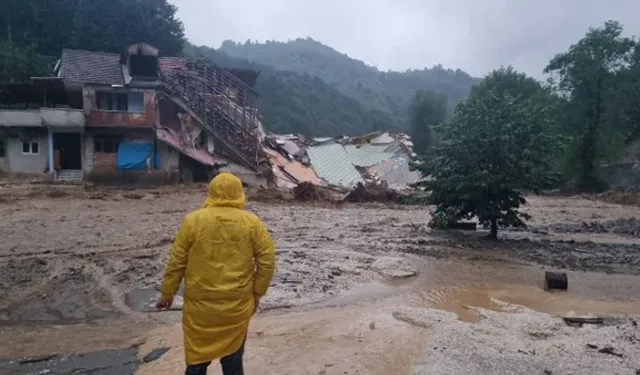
(231, 364)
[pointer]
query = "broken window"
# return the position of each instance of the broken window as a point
(30, 148)
(106, 143)
(123, 102)
(136, 102)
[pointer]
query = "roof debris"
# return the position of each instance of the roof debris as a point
(378, 158)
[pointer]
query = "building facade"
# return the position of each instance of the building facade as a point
(130, 116)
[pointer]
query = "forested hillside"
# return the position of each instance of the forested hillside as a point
(389, 92)
(33, 34)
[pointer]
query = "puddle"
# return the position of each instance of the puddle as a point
(361, 293)
(457, 286)
(459, 301)
(106, 362)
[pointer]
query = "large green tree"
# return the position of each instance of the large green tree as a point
(628, 97)
(587, 74)
(36, 31)
(426, 110)
(497, 145)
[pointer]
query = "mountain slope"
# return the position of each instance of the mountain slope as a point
(389, 92)
(300, 103)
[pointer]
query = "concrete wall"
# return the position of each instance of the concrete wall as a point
(19, 162)
(28, 118)
(63, 118)
(169, 157)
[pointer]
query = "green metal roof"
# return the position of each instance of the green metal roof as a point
(332, 164)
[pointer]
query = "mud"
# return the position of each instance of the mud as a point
(108, 362)
(626, 227)
(92, 259)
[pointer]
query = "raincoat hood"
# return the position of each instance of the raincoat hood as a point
(225, 190)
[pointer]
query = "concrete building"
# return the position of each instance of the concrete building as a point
(127, 117)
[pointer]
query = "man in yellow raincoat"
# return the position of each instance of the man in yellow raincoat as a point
(227, 259)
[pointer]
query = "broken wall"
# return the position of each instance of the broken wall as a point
(101, 166)
(113, 118)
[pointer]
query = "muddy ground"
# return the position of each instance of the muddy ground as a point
(79, 267)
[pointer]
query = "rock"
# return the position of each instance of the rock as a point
(394, 268)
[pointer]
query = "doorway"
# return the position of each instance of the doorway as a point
(67, 150)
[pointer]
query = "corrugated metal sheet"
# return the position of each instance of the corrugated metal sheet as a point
(294, 168)
(332, 163)
(395, 172)
(321, 139)
(367, 155)
(384, 138)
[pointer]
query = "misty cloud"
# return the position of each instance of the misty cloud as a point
(473, 35)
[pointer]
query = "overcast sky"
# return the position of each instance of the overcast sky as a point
(474, 35)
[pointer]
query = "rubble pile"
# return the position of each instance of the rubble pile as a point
(375, 193)
(306, 191)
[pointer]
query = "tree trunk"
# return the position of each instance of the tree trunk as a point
(589, 180)
(494, 229)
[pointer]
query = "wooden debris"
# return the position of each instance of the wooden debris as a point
(578, 322)
(610, 350)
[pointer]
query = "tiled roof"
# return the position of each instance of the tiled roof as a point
(170, 63)
(332, 164)
(91, 67)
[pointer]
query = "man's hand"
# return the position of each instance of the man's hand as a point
(256, 306)
(164, 303)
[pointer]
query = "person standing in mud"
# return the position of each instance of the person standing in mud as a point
(227, 259)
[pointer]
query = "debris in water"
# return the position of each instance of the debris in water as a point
(556, 280)
(155, 354)
(37, 359)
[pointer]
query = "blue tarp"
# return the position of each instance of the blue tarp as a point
(133, 156)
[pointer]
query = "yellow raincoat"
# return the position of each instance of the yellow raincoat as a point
(226, 256)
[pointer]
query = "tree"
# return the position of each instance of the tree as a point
(20, 63)
(586, 75)
(103, 25)
(427, 109)
(33, 32)
(628, 97)
(497, 145)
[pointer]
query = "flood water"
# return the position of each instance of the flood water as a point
(455, 286)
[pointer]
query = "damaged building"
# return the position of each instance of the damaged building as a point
(131, 116)
(377, 158)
